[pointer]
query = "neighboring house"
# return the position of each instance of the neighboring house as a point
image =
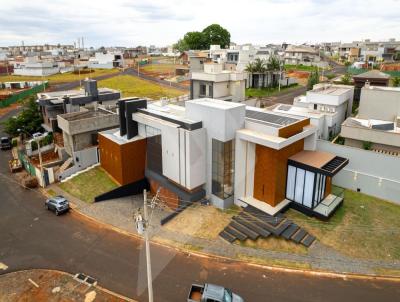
(377, 125)
(327, 106)
(373, 77)
(106, 60)
(305, 55)
(227, 153)
(59, 102)
(215, 82)
(32, 66)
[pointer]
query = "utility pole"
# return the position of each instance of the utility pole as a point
(142, 226)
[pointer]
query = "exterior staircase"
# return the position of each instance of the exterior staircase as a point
(252, 224)
(65, 165)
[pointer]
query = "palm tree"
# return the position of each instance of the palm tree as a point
(249, 67)
(260, 65)
(274, 65)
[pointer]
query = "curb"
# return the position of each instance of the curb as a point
(110, 292)
(309, 272)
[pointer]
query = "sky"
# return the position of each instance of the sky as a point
(163, 22)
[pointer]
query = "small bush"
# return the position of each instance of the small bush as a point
(367, 145)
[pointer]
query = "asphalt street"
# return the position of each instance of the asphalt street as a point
(32, 237)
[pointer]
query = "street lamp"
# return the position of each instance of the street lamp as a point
(37, 140)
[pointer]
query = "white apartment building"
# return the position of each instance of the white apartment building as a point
(377, 125)
(216, 82)
(327, 106)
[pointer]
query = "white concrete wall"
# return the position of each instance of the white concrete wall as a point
(373, 173)
(221, 123)
(379, 104)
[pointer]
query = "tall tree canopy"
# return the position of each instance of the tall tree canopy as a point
(29, 120)
(211, 35)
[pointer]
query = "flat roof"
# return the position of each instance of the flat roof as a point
(331, 90)
(209, 102)
(114, 135)
(274, 119)
(316, 159)
(75, 116)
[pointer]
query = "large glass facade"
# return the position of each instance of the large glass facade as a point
(305, 187)
(223, 166)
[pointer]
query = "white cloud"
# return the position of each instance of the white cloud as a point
(133, 22)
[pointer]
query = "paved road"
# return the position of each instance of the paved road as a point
(31, 237)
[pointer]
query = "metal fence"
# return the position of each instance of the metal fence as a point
(22, 95)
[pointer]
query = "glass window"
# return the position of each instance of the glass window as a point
(308, 189)
(223, 165)
(227, 295)
(298, 195)
(291, 180)
(203, 89)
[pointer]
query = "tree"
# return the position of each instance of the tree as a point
(273, 63)
(396, 82)
(215, 34)
(346, 79)
(29, 120)
(211, 35)
(194, 40)
(181, 45)
(313, 79)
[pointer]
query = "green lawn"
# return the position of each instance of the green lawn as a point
(133, 86)
(88, 185)
(364, 227)
(161, 68)
(266, 92)
(300, 67)
(59, 78)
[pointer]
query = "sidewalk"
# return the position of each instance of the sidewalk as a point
(119, 213)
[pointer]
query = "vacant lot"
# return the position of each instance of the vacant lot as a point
(364, 227)
(59, 78)
(134, 86)
(88, 185)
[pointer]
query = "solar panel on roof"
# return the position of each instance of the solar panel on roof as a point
(270, 118)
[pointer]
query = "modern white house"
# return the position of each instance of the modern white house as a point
(32, 66)
(216, 82)
(106, 60)
(377, 125)
(327, 106)
(302, 54)
(226, 153)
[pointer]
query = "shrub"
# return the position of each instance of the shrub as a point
(367, 145)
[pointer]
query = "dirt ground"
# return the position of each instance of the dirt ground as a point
(7, 109)
(45, 285)
(200, 221)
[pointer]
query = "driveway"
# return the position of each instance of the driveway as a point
(32, 237)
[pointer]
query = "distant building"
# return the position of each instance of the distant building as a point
(304, 55)
(107, 60)
(373, 77)
(32, 66)
(215, 82)
(377, 125)
(327, 106)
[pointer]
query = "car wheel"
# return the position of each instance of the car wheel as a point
(57, 212)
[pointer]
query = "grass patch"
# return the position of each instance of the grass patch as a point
(266, 92)
(133, 86)
(200, 221)
(88, 185)
(51, 193)
(387, 272)
(274, 262)
(300, 67)
(161, 68)
(59, 78)
(364, 227)
(185, 246)
(275, 244)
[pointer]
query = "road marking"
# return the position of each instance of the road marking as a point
(3, 266)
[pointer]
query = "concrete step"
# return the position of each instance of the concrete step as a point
(234, 232)
(253, 226)
(226, 236)
(299, 235)
(245, 230)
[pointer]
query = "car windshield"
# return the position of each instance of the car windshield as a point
(227, 295)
